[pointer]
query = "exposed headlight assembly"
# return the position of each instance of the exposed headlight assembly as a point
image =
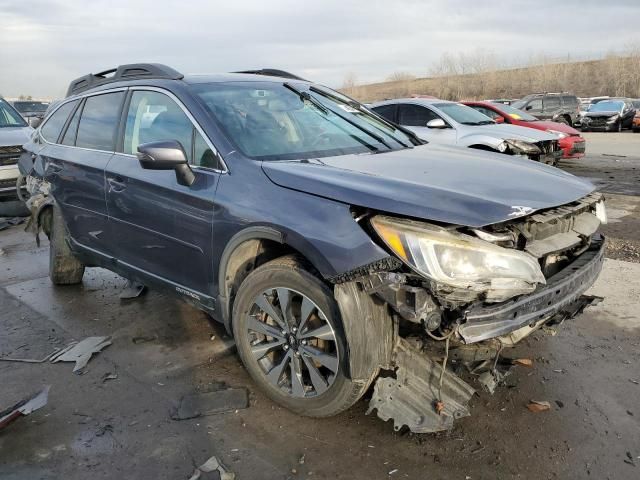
(460, 261)
(520, 147)
(613, 119)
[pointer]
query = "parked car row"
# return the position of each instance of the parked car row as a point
(340, 249)
(33, 111)
(609, 115)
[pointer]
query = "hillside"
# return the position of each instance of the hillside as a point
(614, 76)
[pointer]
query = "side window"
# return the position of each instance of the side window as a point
(387, 111)
(152, 117)
(485, 111)
(99, 121)
(570, 101)
(53, 126)
(415, 115)
(551, 103)
(535, 105)
(69, 137)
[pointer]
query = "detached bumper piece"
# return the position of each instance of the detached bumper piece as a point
(561, 296)
(412, 398)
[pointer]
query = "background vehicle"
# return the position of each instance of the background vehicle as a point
(14, 132)
(585, 103)
(326, 239)
(452, 123)
(636, 118)
(612, 115)
(573, 145)
(32, 111)
(559, 107)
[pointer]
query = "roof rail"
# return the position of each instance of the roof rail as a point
(132, 71)
(273, 72)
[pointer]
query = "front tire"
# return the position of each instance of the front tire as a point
(289, 335)
(64, 268)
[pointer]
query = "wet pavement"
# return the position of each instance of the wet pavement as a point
(115, 420)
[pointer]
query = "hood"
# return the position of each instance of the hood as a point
(601, 114)
(506, 131)
(548, 125)
(14, 135)
(434, 182)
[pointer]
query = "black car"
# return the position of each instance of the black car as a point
(612, 115)
(558, 107)
(331, 243)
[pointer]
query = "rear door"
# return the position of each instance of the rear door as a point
(75, 157)
(159, 227)
(551, 105)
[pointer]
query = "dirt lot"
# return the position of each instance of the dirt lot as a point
(163, 349)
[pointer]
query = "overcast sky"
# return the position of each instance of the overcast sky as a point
(46, 43)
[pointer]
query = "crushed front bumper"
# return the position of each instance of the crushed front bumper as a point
(562, 293)
(573, 147)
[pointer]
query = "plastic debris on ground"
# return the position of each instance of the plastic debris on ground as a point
(132, 290)
(81, 352)
(537, 406)
(24, 407)
(212, 465)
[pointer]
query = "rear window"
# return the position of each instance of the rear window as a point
(53, 126)
(99, 121)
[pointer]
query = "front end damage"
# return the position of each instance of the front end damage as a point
(426, 337)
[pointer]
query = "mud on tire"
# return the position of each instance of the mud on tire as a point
(64, 268)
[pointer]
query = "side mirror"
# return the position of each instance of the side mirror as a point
(436, 123)
(528, 107)
(499, 119)
(166, 155)
(34, 121)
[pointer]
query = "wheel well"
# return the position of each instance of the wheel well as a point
(242, 260)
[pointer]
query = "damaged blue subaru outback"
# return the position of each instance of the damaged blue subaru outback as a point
(339, 250)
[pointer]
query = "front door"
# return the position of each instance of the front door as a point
(416, 117)
(158, 226)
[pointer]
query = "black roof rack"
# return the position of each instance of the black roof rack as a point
(133, 71)
(273, 72)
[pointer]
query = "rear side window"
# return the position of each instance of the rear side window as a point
(53, 126)
(551, 103)
(415, 115)
(99, 121)
(570, 101)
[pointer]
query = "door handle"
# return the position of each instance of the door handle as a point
(116, 184)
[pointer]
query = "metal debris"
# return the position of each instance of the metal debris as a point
(24, 407)
(81, 352)
(212, 465)
(410, 398)
(492, 378)
(30, 360)
(132, 290)
(109, 376)
(211, 403)
(537, 406)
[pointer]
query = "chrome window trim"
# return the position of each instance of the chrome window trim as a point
(196, 125)
(137, 88)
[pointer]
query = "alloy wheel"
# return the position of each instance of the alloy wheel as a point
(293, 342)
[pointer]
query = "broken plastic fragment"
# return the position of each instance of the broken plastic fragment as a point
(24, 407)
(211, 465)
(81, 352)
(525, 362)
(132, 290)
(537, 406)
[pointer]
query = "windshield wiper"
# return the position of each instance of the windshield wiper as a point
(305, 96)
(359, 107)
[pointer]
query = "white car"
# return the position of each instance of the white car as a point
(14, 132)
(451, 123)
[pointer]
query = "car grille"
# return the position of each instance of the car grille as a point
(10, 155)
(579, 147)
(551, 152)
(598, 122)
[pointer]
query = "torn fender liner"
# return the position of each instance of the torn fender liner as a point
(410, 398)
(368, 328)
(24, 407)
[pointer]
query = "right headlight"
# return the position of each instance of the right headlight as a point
(460, 261)
(519, 146)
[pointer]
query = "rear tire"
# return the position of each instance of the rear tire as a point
(563, 120)
(64, 268)
(324, 389)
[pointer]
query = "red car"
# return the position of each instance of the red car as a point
(573, 145)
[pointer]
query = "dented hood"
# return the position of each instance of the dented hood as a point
(433, 182)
